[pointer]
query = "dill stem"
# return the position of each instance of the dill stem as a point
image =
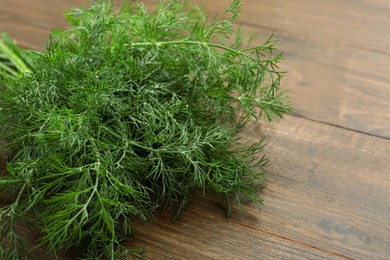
(186, 42)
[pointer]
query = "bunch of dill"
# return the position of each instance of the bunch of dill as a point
(124, 112)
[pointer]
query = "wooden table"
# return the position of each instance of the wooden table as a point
(328, 195)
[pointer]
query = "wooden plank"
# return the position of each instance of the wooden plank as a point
(207, 235)
(364, 25)
(337, 85)
(328, 188)
(331, 78)
(29, 22)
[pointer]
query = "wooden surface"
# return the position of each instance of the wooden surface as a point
(328, 195)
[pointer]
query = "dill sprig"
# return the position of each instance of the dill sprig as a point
(124, 112)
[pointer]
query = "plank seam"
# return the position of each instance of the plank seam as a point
(281, 237)
(340, 127)
(311, 37)
(292, 240)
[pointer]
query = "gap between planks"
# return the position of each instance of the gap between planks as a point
(232, 221)
(296, 115)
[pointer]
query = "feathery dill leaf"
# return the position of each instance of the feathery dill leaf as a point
(124, 112)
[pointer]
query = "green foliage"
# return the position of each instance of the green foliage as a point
(125, 112)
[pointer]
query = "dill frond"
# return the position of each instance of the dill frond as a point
(127, 111)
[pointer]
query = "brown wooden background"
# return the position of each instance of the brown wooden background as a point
(328, 195)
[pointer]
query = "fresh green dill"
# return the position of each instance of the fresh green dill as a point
(124, 112)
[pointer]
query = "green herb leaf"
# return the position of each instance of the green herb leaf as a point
(127, 111)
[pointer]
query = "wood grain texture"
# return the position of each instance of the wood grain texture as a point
(337, 22)
(328, 195)
(205, 234)
(29, 22)
(328, 188)
(336, 57)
